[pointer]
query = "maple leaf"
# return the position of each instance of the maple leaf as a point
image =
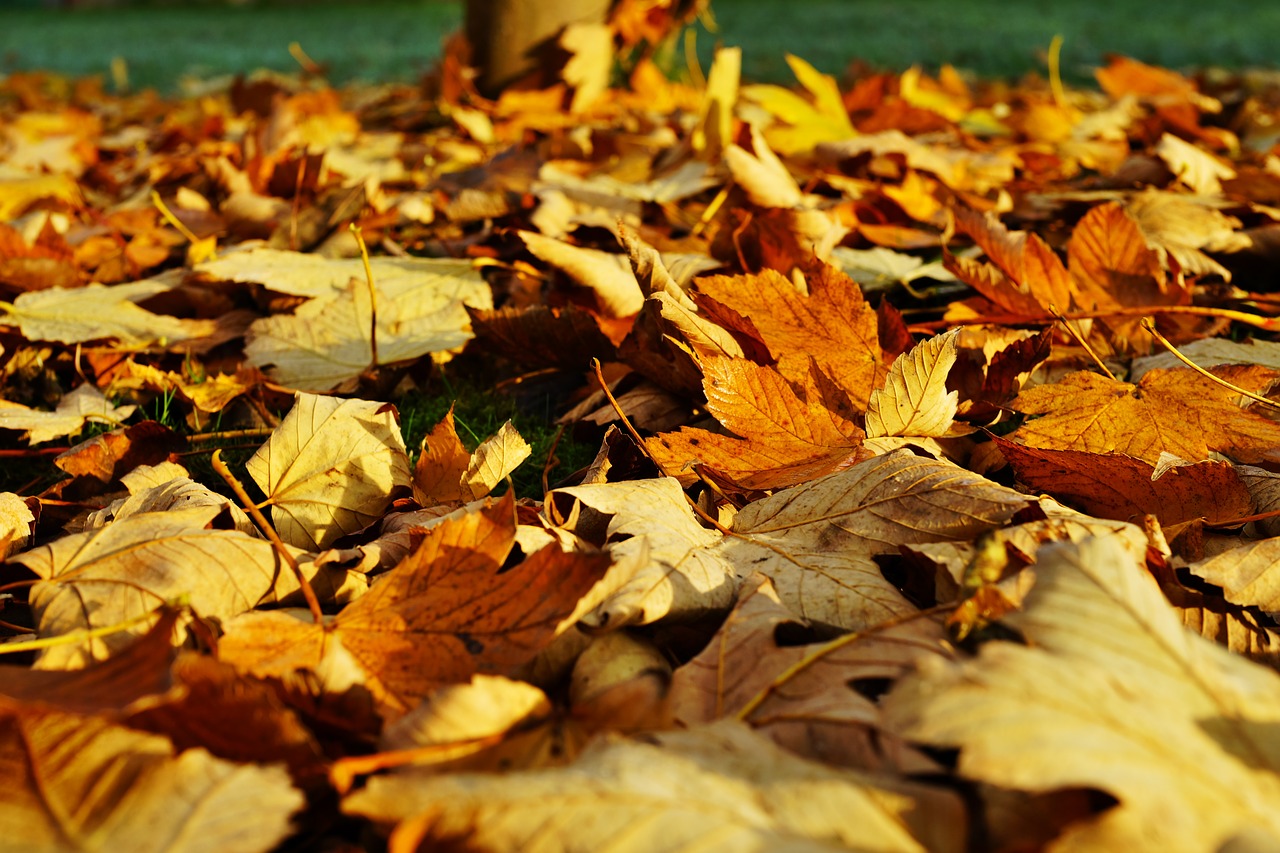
(16, 520)
(84, 405)
(817, 541)
(325, 343)
(1112, 693)
(832, 323)
(816, 712)
(330, 468)
(789, 434)
(96, 312)
(447, 611)
(803, 122)
(1118, 486)
(915, 399)
(1179, 412)
(445, 472)
(82, 783)
(717, 784)
(126, 570)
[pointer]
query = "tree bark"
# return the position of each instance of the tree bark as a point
(508, 37)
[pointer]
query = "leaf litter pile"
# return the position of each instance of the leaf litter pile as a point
(920, 532)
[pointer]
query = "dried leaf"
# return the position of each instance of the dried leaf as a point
(330, 468)
(1179, 412)
(720, 785)
(1112, 694)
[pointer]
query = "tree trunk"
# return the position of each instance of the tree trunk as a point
(509, 36)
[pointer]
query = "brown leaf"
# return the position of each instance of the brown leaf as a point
(81, 783)
(442, 460)
(815, 711)
(714, 785)
(330, 468)
(447, 611)
(1113, 485)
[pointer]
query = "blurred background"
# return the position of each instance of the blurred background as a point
(384, 40)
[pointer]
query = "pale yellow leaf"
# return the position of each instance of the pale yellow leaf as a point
(1110, 692)
(590, 46)
(915, 399)
(1192, 165)
(719, 787)
(330, 468)
(494, 460)
(607, 275)
(762, 175)
(86, 404)
(715, 117)
(16, 520)
(95, 312)
(130, 568)
(325, 343)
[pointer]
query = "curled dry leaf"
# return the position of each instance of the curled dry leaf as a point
(607, 275)
(330, 468)
(84, 405)
(816, 541)
(1113, 693)
(807, 693)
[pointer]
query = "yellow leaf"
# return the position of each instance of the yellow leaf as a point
(330, 468)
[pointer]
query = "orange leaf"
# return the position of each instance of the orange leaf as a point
(833, 323)
(449, 610)
(1176, 411)
(789, 433)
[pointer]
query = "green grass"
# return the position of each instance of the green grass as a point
(399, 39)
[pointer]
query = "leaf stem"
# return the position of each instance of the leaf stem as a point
(1151, 327)
(313, 603)
(79, 635)
(373, 297)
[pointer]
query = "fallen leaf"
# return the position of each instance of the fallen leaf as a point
(832, 323)
(1117, 486)
(1179, 412)
(446, 612)
(96, 312)
(330, 468)
(77, 408)
(789, 433)
(1113, 694)
(81, 783)
(128, 569)
(804, 696)
(915, 399)
(720, 785)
